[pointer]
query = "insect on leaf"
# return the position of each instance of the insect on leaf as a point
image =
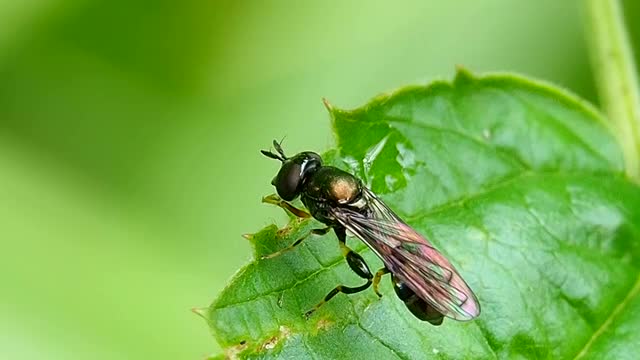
(521, 187)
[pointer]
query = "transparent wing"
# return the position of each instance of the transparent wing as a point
(411, 258)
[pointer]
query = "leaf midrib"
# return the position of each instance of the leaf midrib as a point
(635, 289)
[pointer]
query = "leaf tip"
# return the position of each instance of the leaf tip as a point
(248, 236)
(462, 74)
(327, 104)
(201, 311)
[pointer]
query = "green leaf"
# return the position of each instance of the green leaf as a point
(519, 184)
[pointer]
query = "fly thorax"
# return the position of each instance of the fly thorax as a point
(344, 190)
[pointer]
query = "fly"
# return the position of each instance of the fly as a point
(422, 277)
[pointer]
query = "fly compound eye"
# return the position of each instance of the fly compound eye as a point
(293, 172)
(288, 180)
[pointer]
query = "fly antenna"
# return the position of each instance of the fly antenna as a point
(278, 147)
(279, 156)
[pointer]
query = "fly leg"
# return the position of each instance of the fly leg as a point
(377, 278)
(277, 201)
(356, 263)
(296, 243)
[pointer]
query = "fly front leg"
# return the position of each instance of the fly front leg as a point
(277, 201)
(356, 263)
(322, 231)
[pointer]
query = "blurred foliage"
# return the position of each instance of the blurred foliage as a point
(129, 137)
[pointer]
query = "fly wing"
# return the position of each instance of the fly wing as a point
(411, 258)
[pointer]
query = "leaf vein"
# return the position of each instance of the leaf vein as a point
(371, 335)
(339, 260)
(635, 289)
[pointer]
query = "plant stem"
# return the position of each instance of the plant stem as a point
(616, 77)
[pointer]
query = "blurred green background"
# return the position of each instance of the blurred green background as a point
(129, 138)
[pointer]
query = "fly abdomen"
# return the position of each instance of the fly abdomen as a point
(418, 307)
